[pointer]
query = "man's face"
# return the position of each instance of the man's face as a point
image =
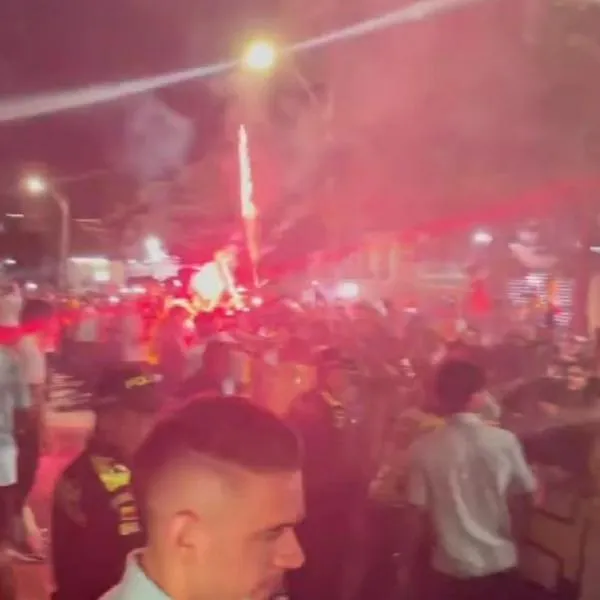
(131, 428)
(249, 546)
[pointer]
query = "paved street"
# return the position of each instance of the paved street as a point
(68, 430)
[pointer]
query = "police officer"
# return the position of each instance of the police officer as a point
(95, 522)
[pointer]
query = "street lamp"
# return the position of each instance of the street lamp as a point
(36, 185)
(482, 238)
(260, 55)
(155, 251)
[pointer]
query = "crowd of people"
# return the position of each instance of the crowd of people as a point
(341, 452)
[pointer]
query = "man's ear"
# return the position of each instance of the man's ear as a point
(185, 533)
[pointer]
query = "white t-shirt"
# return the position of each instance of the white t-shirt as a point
(33, 360)
(88, 328)
(132, 343)
(135, 584)
(463, 474)
(14, 395)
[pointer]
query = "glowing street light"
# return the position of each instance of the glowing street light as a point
(155, 251)
(260, 56)
(35, 185)
(482, 238)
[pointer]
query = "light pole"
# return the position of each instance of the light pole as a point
(262, 57)
(37, 185)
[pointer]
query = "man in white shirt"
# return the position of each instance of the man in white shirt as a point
(88, 327)
(36, 321)
(133, 348)
(88, 335)
(15, 405)
(220, 487)
(462, 479)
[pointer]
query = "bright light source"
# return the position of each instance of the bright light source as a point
(15, 216)
(35, 185)
(482, 238)
(347, 290)
(31, 286)
(260, 56)
(91, 261)
(10, 261)
(101, 275)
(256, 301)
(208, 283)
(154, 249)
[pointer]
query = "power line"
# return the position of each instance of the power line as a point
(26, 107)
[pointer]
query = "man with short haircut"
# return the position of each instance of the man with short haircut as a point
(220, 489)
(464, 479)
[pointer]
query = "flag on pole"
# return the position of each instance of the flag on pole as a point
(247, 206)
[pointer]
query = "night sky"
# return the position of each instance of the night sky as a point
(51, 45)
(447, 112)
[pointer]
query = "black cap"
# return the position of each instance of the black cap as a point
(133, 386)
